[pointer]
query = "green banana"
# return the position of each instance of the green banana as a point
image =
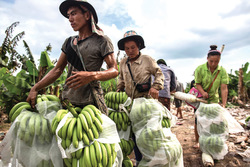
(65, 128)
(79, 153)
(52, 97)
(90, 111)
(95, 131)
(19, 110)
(15, 107)
(71, 127)
(104, 155)
(84, 121)
(98, 124)
(86, 155)
(88, 118)
(98, 151)
(74, 138)
(79, 128)
(85, 138)
(90, 135)
(93, 155)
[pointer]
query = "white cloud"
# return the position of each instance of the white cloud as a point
(178, 31)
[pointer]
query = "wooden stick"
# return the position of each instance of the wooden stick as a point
(201, 100)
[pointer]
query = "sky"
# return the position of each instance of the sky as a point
(178, 31)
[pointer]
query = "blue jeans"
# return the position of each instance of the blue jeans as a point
(138, 155)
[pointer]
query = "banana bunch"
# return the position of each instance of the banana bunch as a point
(173, 150)
(165, 122)
(211, 111)
(50, 104)
(17, 108)
(33, 125)
(45, 163)
(113, 99)
(150, 140)
(145, 110)
(121, 119)
(211, 144)
(127, 162)
(85, 127)
(218, 128)
(96, 154)
(127, 146)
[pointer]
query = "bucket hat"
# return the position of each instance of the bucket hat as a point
(131, 35)
(68, 3)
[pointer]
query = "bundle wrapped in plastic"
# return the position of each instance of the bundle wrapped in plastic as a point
(30, 142)
(96, 144)
(157, 144)
(214, 123)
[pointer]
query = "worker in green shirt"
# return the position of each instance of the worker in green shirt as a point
(205, 74)
(208, 78)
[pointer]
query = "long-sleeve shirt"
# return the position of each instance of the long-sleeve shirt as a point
(141, 69)
(169, 75)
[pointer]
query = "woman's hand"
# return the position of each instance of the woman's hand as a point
(153, 93)
(205, 95)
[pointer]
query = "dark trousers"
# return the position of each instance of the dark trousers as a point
(138, 155)
(165, 101)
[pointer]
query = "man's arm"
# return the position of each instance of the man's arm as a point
(81, 78)
(224, 92)
(48, 79)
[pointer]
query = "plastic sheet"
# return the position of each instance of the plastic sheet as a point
(214, 123)
(108, 135)
(29, 141)
(158, 145)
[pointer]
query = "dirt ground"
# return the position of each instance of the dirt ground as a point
(185, 134)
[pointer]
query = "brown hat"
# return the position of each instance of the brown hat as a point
(133, 36)
(68, 3)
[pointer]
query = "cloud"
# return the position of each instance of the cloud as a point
(178, 31)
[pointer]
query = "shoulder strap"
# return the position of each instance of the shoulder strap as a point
(130, 71)
(213, 81)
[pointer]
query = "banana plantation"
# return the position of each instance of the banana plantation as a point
(87, 137)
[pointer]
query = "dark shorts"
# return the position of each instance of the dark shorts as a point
(165, 101)
(177, 103)
(195, 120)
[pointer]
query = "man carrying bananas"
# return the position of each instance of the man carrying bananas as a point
(84, 54)
(135, 73)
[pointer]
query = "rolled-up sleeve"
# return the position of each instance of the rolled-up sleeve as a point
(158, 77)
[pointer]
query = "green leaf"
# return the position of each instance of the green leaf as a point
(31, 68)
(45, 60)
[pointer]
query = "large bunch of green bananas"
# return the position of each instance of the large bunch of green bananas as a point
(121, 119)
(22, 106)
(173, 151)
(218, 128)
(113, 99)
(96, 154)
(127, 162)
(47, 103)
(32, 126)
(150, 140)
(211, 111)
(211, 144)
(145, 110)
(86, 126)
(127, 146)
